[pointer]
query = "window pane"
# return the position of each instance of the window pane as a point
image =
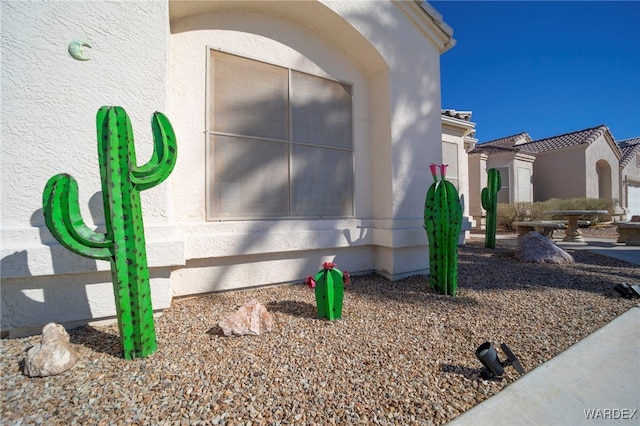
(321, 111)
(503, 193)
(322, 182)
(249, 98)
(250, 177)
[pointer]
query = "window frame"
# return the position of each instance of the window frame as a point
(210, 215)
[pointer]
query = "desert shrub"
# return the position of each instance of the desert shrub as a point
(582, 204)
(515, 212)
(522, 211)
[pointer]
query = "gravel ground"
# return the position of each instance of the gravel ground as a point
(401, 354)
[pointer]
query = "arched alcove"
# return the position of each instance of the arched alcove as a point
(603, 170)
(306, 36)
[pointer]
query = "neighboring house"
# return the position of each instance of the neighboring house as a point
(516, 170)
(458, 139)
(305, 131)
(630, 175)
(579, 164)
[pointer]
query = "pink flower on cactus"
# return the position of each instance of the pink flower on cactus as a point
(328, 265)
(433, 167)
(311, 282)
(443, 170)
(346, 277)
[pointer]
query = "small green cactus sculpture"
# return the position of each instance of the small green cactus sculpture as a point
(123, 244)
(489, 198)
(443, 222)
(329, 288)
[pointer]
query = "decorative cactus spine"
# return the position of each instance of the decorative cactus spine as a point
(123, 244)
(329, 287)
(489, 197)
(443, 221)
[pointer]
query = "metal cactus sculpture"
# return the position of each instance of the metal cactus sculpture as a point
(489, 198)
(123, 244)
(443, 222)
(329, 288)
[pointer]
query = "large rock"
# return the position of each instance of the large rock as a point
(253, 318)
(53, 355)
(536, 248)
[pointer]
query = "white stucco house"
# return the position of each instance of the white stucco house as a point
(515, 167)
(458, 139)
(629, 179)
(305, 130)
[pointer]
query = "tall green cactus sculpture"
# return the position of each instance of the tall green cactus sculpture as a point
(123, 244)
(329, 288)
(443, 222)
(489, 198)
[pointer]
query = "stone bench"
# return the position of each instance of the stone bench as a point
(545, 227)
(629, 233)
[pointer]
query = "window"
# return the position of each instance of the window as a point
(524, 184)
(450, 157)
(503, 194)
(279, 142)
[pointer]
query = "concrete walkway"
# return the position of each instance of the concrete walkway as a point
(594, 382)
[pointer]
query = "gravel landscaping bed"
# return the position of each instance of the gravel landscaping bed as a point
(401, 354)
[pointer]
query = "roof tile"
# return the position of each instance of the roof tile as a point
(628, 149)
(587, 136)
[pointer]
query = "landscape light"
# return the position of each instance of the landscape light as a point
(628, 291)
(494, 368)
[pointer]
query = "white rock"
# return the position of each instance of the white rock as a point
(53, 355)
(253, 318)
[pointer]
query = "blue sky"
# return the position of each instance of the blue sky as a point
(543, 67)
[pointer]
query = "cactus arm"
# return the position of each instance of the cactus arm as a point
(63, 218)
(159, 167)
(430, 214)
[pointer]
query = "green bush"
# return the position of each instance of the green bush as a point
(523, 211)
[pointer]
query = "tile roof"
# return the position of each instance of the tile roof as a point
(510, 140)
(492, 149)
(587, 136)
(461, 115)
(629, 142)
(509, 144)
(628, 148)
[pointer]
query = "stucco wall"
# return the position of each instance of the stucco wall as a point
(632, 170)
(396, 135)
(630, 187)
(137, 61)
(49, 102)
(560, 174)
(477, 181)
(603, 150)
(454, 132)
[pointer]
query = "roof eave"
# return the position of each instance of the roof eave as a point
(430, 22)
